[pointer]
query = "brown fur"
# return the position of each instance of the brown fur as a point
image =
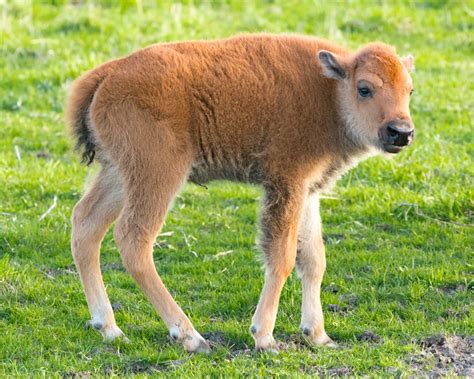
(256, 108)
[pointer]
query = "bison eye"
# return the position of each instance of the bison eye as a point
(364, 92)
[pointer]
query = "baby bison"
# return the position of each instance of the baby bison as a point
(289, 113)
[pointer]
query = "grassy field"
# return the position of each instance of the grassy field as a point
(398, 232)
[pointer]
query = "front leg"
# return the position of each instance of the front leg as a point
(310, 265)
(279, 223)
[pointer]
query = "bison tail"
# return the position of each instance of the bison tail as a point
(77, 111)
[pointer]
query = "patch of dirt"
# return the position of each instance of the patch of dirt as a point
(452, 289)
(333, 372)
(350, 300)
(216, 338)
(333, 288)
(460, 313)
(292, 342)
(444, 355)
(369, 336)
(334, 308)
(142, 367)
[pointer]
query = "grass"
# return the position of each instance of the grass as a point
(399, 232)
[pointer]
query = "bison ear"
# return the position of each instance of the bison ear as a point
(331, 67)
(408, 62)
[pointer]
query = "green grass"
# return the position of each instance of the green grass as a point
(399, 232)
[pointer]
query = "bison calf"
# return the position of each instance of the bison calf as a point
(290, 113)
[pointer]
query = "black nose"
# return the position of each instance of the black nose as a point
(400, 133)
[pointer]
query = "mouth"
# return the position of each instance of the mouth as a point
(392, 149)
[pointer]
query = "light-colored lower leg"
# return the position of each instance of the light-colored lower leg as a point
(91, 218)
(279, 228)
(136, 249)
(264, 318)
(311, 264)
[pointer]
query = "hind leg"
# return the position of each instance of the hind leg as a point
(91, 218)
(154, 164)
(140, 222)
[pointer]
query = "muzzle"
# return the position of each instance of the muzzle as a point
(397, 134)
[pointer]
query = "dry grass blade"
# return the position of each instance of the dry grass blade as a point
(17, 153)
(223, 253)
(55, 202)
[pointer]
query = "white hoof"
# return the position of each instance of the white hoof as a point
(266, 343)
(321, 339)
(192, 341)
(109, 332)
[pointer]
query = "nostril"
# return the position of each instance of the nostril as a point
(393, 135)
(392, 132)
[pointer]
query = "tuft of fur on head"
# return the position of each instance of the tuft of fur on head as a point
(380, 58)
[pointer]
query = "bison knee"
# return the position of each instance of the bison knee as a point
(135, 247)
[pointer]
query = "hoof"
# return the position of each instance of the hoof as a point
(192, 341)
(267, 344)
(196, 344)
(203, 348)
(110, 333)
(320, 340)
(331, 344)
